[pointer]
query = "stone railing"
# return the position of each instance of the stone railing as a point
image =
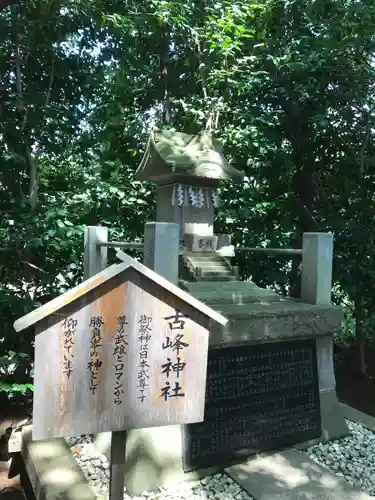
(317, 258)
(316, 254)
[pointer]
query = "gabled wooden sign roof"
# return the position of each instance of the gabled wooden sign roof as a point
(125, 349)
(99, 279)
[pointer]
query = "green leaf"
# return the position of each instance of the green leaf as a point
(5, 387)
(5, 361)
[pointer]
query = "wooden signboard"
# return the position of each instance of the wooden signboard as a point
(123, 350)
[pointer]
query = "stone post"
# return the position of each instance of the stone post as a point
(317, 255)
(95, 257)
(317, 258)
(161, 249)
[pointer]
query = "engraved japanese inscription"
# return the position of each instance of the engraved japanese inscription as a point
(127, 360)
(258, 397)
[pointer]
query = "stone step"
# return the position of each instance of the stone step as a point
(215, 271)
(204, 258)
(220, 274)
(202, 254)
(209, 263)
(292, 475)
(216, 260)
(218, 278)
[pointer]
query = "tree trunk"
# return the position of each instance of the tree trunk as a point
(164, 76)
(359, 314)
(299, 134)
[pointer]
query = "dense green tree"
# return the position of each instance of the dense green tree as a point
(287, 87)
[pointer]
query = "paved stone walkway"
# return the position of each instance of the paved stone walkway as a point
(291, 475)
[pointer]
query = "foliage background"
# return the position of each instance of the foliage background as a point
(286, 85)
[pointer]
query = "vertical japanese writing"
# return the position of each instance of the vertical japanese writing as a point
(144, 329)
(175, 362)
(95, 362)
(119, 352)
(69, 326)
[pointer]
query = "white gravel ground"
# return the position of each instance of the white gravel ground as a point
(96, 470)
(352, 457)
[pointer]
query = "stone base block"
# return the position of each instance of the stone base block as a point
(154, 458)
(333, 420)
(52, 470)
(154, 455)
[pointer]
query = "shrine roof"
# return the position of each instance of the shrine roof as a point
(170, 153)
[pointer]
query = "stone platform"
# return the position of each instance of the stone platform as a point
(260, 315)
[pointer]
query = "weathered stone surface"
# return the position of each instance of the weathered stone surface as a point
(253, 323)
(359, 417)
(154, 459)
(239, 292)
(292, 475)
(161, 249)
(324, 349)
(333, 421)
(53, 471)
(260, 315)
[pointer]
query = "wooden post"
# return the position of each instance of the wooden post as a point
(117, 465)
(317, 256)
(95, 260)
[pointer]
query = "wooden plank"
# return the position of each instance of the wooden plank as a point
(173, 289)
(99, 279)
(100, 366)
(76, 362)
(175, 351)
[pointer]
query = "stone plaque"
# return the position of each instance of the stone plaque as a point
(197, 243)
(258, 397)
